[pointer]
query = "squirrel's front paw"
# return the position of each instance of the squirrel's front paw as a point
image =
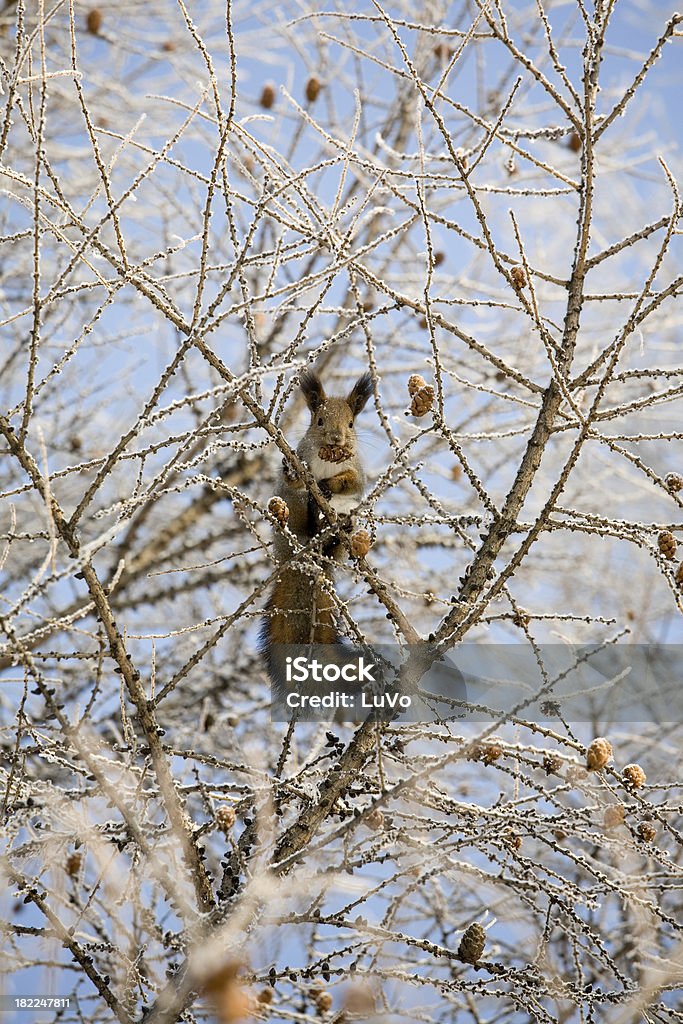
(288, 473)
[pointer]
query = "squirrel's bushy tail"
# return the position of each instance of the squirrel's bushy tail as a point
(299, 612)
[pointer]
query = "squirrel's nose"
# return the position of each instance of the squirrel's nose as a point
(336, 436)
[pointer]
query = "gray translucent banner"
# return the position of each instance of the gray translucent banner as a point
(478, 682)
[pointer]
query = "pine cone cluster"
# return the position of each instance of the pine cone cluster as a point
(552, 764)
(225, 818)
(667, 544)
(93, 21)
(423, 401)
(422, 395)
(518, 278)
(225, 987)
(334, 453)
(267, 96)
(73, 864)
(443, 51)
(634, 776)
(278, 508)
(614, 816)
(313, 87)
(574, 142)
(323, 1001)
(674, 482)
(375, 819)
(489, 752)
(359, 1002)
(485, 752)
(512, 841)
(598, 754)
(360, 543)
(646, 831)
(472, 944)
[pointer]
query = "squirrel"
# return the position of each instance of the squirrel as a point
(300, 609)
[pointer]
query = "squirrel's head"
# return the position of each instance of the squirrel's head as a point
(332, 419)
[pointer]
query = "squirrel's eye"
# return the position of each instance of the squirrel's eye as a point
(320, 421)
(351, 423)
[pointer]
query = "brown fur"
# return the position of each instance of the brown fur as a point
(311, 624)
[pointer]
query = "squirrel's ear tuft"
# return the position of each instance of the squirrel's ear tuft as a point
(312, 389)
(359, 394)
